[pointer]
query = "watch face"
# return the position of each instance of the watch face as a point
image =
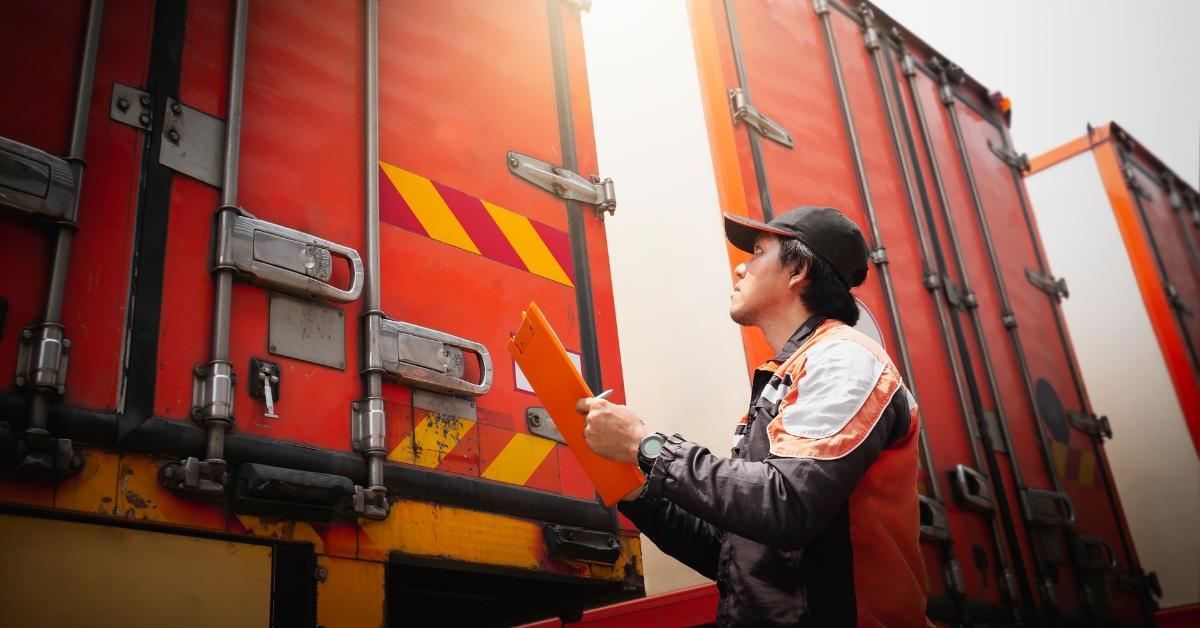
(651, 446)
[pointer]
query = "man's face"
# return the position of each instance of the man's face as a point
(762, 285)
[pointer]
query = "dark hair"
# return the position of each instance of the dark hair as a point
(827, 293)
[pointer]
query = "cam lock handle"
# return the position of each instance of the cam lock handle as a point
(971, 489)
(432, 360)
(282, 259)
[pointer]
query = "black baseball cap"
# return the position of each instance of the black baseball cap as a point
(827, 231)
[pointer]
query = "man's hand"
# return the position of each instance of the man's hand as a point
(612, 431)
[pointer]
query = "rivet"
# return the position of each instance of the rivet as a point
(322, 574)
(341, 313)
(513, 163)
(200, 371)
(341, 365)
(66, 343)
(62, 390)
(197, 414)
(76, 462)
(272, 348)
(355, 406)
(169, 472)
(145, 101)
(357, 445)
(174, 135)
(20, 381)
(122, 104)
(176, 109)
(144, 119)
(27, 333)
(559, 190)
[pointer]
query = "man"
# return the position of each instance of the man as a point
(814, 520)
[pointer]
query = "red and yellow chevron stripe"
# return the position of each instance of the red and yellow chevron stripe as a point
(428, 208)
(1073, 464)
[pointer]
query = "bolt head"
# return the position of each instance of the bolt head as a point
(20, 381)
(322, 573)
(357, 445)
(513, 163)
(66, 343)
(62, 390)
(144, 119)
(355, 405)
(122, 104)
(176, 109)
(145, 101)
(559, 190)
(272, 348)
(174, 135)
(76, 462)
(233, 377)
(200, 371)
(27, 334)
(197, 414)
(341, 365)
(535, 420)
(169, 472)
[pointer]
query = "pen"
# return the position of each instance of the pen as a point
(604, 395)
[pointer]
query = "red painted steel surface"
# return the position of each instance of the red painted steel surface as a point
(36, 108)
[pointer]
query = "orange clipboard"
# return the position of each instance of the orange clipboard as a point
(559, 386)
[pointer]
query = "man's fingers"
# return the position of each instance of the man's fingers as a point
(582, 406)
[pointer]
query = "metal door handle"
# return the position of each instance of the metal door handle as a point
(1048, 508)
(283, 259)
(432, 360)
(971, 488)
(935, 525)
(35, 182)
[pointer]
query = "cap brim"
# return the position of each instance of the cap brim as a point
(742, 232)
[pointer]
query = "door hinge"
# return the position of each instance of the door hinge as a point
(1010, 156)
(1091, 425)
(132, 106)
(1056, 288)
(1177, 301)
(564, 183)
(1134, 184)
(743, 111)
(1139, 583)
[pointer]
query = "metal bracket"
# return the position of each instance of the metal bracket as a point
(1009, 320)
(935, 524)
(1010, 156)
(368, 420)
(1139, 583)
(879, 256)
(1134, 183)
(581, 544)
(1177, 301)
(35, 182)
(132, 106)
(264, 383)
(540, 424)
(193, 143)
(565, 184)
(207, 477)
(1094, 553)
(42, 355)
(932, 281)
(971, 489)
(743, 111)
(956, 585)
(430, 359)
(283, 259)
(1047, 508)
(1056, 288)
(212, 391)
(1173, 195)
(1090, 425)
(368, 503)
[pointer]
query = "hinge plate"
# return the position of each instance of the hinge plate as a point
(1010, 156)
(193, 143)
(743, 111)
(1056, 288)
(540, 424)
(1091, 425)
(132, 106)
(564, 183)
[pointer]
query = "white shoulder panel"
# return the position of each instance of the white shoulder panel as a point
(838, 378)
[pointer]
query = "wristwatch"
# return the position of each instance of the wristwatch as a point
(648, 450)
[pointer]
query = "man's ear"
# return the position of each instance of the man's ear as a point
(798, 281)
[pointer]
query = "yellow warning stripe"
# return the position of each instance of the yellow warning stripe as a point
(519, 459)
(528, 244)
(431, 210)
(432, 438)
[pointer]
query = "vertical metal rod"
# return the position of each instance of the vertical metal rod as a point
(760, 168)
(872, 42)
(371, 300)
(42, 396)
(223, 277)
(589, 344)
(977, 428)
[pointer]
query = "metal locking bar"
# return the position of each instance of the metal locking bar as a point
(1090, 425)
(1056, 288)
(935, 524)
(743, 111)
(35, 182)
(1010, 156)
(432, 360)
(282, 259)
(1047, 508)
(971, 489)
(564, 183)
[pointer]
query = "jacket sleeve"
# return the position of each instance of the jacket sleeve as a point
(781, 502)
(676, 532)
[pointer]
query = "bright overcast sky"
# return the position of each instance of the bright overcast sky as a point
(1065, 63)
